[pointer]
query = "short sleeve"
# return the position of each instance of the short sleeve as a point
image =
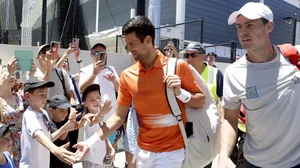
(82, 77)
(71, 85)
(187, 79)
(32, 122)
(37, 75)
(124, 96)
(230, 99)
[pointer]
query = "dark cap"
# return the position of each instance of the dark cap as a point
(92, 87)
(34, 83)
(59, 101)
(98, 44)
(195, 47)
(212, 54)
(42, 47)
(4, 128)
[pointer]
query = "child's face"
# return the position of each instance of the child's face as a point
(59, 114)
(92, 101)
(5, 142)
(38, 98)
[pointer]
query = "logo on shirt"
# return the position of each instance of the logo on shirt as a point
(296, 80)
(251, 92)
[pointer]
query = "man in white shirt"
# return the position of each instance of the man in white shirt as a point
(268, 86)
(104, 75)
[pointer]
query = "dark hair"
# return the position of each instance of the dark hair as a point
(142, 27)
(265, 21)
(67, 60)
(212, 54)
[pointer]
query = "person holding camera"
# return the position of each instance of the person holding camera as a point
(171, 51)
(104, 75)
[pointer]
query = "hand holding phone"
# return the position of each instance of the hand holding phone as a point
(75, 42)
(54, 49)
(103, 58)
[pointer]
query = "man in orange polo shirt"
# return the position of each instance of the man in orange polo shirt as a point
(160, 143)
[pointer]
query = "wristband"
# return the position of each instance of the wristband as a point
(184, 96)
(79, 61)
(93, 141)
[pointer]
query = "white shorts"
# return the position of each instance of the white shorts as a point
(146, 159)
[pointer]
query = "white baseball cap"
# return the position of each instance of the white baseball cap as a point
(252, 11)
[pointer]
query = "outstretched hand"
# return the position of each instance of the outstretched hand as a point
(82, 150)
(64, 155)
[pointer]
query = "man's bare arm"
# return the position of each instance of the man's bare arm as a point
(197, 100)
(114, 122)
(229, 128)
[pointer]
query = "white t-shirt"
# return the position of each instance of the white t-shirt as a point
(270, 94)
(58, 88)
(107, 88)
(34, 154)
(97, 154)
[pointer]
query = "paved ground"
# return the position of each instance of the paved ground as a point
(119, 161)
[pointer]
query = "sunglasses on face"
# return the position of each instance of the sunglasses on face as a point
(193, 55)
(98, 53)
(168, 49)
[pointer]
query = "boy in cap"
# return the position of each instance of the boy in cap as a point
(6, 160)
(36, 138)
(58, 106)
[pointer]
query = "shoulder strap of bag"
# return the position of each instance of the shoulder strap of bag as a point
(175, 109)
(76, 89)
(291, 52)
(110, 68)
(62, 79)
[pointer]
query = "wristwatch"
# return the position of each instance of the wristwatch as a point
(79, 61)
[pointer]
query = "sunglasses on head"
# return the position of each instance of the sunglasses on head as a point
(192, 55)
(98, 53)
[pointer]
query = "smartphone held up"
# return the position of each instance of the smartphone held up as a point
(75, 42)
(54, 49)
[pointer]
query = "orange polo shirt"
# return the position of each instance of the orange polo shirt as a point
(158, 128)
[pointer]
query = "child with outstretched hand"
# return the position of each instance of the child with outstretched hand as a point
(36, 137)
(94, 115)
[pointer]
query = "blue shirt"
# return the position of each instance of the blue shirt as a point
(9, 161)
